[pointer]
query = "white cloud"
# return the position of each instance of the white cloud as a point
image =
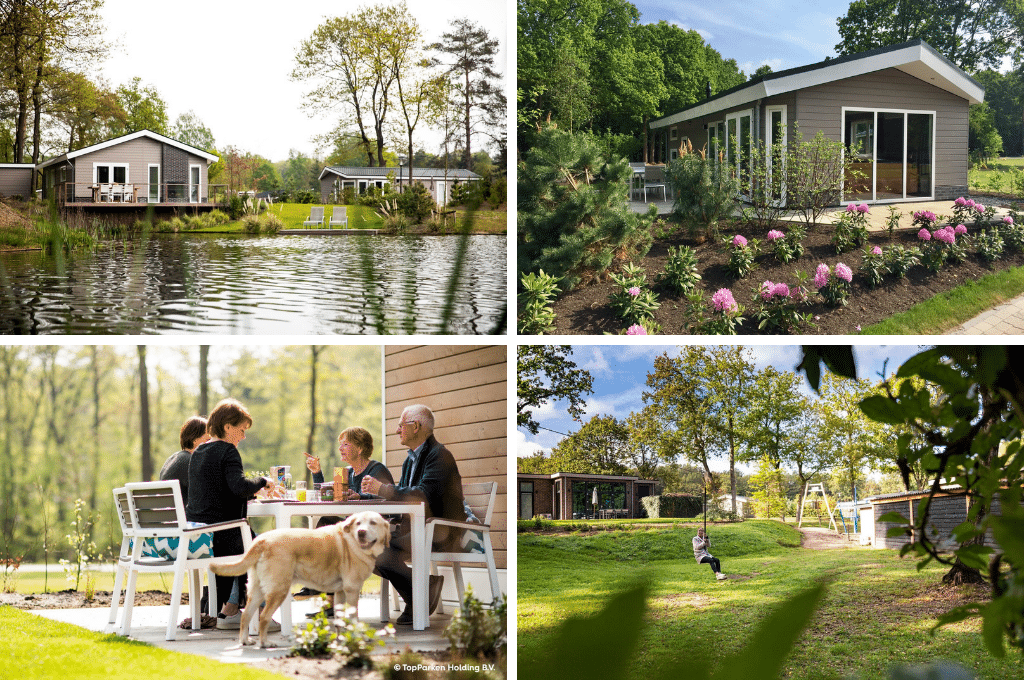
(525, 448)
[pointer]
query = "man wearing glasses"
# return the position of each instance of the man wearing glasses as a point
(429, 475)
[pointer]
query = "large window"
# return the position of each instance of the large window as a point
(107, 173)
(610, 497)
(891, 154)
(525, 500)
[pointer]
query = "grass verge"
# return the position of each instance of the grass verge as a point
(950, 309)
(36, 647)
(878, 609)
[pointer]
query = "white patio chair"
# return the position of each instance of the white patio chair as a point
(156, 511)
(636, 180)
(127, 193)
(339, 217)
(106, 192)
(654, 179)
(476, 541)
(316, 217)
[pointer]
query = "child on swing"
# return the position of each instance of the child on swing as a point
(701, 554)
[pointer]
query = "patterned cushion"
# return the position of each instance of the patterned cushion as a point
(472, 541)
(166, 548)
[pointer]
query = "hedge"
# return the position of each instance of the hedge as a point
(672, 505)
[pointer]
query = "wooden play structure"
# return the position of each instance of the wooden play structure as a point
(819, 488)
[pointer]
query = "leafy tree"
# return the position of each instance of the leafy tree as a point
(776, 406)
(970, 33)
(574, 216)
(853, 440)
(768, 485)
(301, 173)
(642, 454)
(351, 61)
(188, 128)
(729, 375)
(468, 52)
(599, 447)
(547, 373)
(144, 108)
(83, 111)
(1004, 95)
(983, 139)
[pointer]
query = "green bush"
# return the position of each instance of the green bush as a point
(479, 633)
(235, 207)
(681, 271)
(574, 218)
(705, 190)
(416, 203)
(672, 505)
(535, 314)
(815, 172)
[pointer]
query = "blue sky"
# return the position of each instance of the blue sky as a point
(620, 374)
(754, 32)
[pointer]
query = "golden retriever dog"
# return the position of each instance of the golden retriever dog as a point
(332, 559)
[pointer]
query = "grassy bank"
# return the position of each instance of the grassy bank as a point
(36, 647)
(878, 609)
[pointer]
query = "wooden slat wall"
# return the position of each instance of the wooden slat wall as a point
(465, 387)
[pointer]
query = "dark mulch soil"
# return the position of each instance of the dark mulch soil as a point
(586, 309)
(70, 599)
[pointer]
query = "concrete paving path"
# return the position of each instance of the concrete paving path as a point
(1004, 319)
(149, 624)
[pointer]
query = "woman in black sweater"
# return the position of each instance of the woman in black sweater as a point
(218, 489)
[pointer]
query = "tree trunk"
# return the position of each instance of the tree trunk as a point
(960, 574)
(315, 353)
(204, 394)
(732, 464)
(467, 154)
(147, 460)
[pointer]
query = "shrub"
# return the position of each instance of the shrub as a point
(873, 266)
(937, 246)
(535, 314)
(989, 245)
(815, 172)
(767, 185)
(741, 255)
(705, 191)
(479, 633)
(498, 195)
(574, 218)
(356, 640)
(852, 228)
(235, 207)
(251, 224)
(672, 505)
(270, 223)
(725, 317)
(788, 247)
(834, 286)
(217, 216)
(777, 307)
(317, 637)
(893, 220)
(900, 260)
(925, 219)
(681, 273)
(416, 203)
(631, 301)
(1017, 183)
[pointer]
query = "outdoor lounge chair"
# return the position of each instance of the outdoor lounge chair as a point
(339, 217)
(156, 524)
(316, 217)
(654, 179)
(476, 543)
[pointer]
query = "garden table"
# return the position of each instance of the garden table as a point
(283, 510)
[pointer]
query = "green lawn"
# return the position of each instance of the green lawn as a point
(996, 176)
(36, 647)
(878, 609)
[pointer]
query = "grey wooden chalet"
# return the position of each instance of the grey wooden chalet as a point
(566, 495)
(439, 182)
(901, 112)
(16, 179)
(140, 168)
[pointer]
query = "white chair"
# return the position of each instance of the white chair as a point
(106, 192)
(127, 193)
(636, 180)
(316, 217)
(156, 511)
(654, 178)
(339, 217)
(480, 499)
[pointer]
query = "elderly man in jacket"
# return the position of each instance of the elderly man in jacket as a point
(430, 475)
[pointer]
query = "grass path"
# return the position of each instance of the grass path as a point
(878, 609)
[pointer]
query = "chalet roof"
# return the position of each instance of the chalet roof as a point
(348, 172)
(209, 157)
(916, 58)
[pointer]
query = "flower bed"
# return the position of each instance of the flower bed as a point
(586, 309)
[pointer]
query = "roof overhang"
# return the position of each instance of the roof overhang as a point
(208, 157)
(917, 59)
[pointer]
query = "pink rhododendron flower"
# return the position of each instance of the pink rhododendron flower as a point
(844, 272)
(766, 290)
(636, 329)
(960, 201)
(863, 208)
(775, 234)
(1008, 219)
(960, 229)
(781, 290)
(946, 235)
(850, 207)
(723, 300)
(924, 234)
(821, 275)
(738, 240)
(634, 291)
(969, 203)
(979, 208)
(858, 328)
(876, 251)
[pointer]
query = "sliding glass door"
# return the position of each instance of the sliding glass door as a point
(891, 154)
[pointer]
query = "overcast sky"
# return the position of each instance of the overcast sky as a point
(229, 61)
(620, 375)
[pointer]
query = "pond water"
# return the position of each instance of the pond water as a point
(283, 285)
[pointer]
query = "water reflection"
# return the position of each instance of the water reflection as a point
(285, 285)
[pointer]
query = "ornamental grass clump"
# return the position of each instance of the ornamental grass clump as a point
(681, 273)
(777, 305)
(852, 228)
(835, 285)
(536, 317)
(725, 317)
(741, 255)
(634, 303)
(873, 266)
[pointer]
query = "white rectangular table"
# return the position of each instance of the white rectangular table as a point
(283, 511)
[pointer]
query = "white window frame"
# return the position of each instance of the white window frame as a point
(874, 152)
(768, 111)
(737, 116)
(151, 196)
(673, 134)
(111, 166)
(198, 186)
